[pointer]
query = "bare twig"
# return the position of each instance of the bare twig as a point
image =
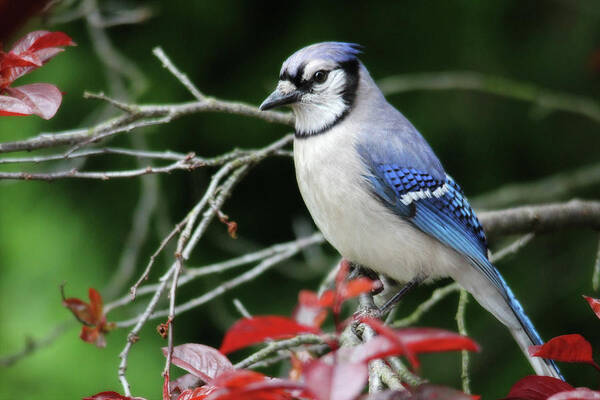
(513, 248)
(32, 345)
(140, 227)
(275, 347)
(133, 337)
(546, 189)
(159, 155)
(468, 80)
(181, 77)
(161, 247)
(544, 218)
(462, 329)
(219, 290)
(125, 17)
(436, 297)
(190, 274)
(241, 308)
(144, 115)
(596, 274)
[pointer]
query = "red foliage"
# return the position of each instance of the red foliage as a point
(248, 331)
(343, 381)
(242, 384)
(111, 396)
(312, 309)
(410, 342)
(594, 305)
(567, 348)
(28, 53)
(202, 361)
(534, 387)
(91, 316)
(576, 394)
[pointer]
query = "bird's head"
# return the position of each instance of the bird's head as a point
(319, 82)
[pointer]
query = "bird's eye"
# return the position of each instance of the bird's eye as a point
(320, 76)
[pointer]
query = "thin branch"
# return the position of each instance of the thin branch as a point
(159, 155)
(553, 187)
(219, 290)
(181, 77)
(32, 345)
(437, 295)
(379, 372)
(125, 17)
(241, 308)
(143, 115)
(193, 273)
(275, 347)
(161, 247)
(148, 199)
(468, 80)
(404, 373)
(596, 274)
(462, 329)
(133, 337)
(513, 248)
(543, 218)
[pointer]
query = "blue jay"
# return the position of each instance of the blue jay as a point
(377, 191)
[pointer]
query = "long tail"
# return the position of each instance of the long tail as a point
(502, 303)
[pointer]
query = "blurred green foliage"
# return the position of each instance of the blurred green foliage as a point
(74, 231)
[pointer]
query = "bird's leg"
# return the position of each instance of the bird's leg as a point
(401, 293)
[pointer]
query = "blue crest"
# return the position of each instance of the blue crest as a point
(338, 52)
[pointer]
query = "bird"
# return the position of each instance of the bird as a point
(377, 191)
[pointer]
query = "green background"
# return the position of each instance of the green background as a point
(74, 231)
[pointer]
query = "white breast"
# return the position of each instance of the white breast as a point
(329, 173)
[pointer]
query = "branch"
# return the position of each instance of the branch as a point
(549, 188)
(542, 218)
(277, 346)
(468, 80)
(596, 273)
(139, 116)
(181, 77)
(32, 345)
(462, 329)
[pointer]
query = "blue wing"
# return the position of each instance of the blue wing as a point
(440, 209)
(437, 207)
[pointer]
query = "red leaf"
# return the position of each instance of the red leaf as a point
(410, 341)
(11, 60)
(428, 391)
(567, 348)
(93, 335)
(534, 387)
(51, 39)
(309, 311)
(576, 394)
(269, 389)
(41, 99)
(356, 287)
(203, 361)
(111, 396)
(95, 304)
(29, 53)
(248, 331)
(80, 310)
(594, 304)
(335, 382)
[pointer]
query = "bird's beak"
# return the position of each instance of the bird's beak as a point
(278, 98)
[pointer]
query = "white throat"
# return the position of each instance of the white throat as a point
(319, 110)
